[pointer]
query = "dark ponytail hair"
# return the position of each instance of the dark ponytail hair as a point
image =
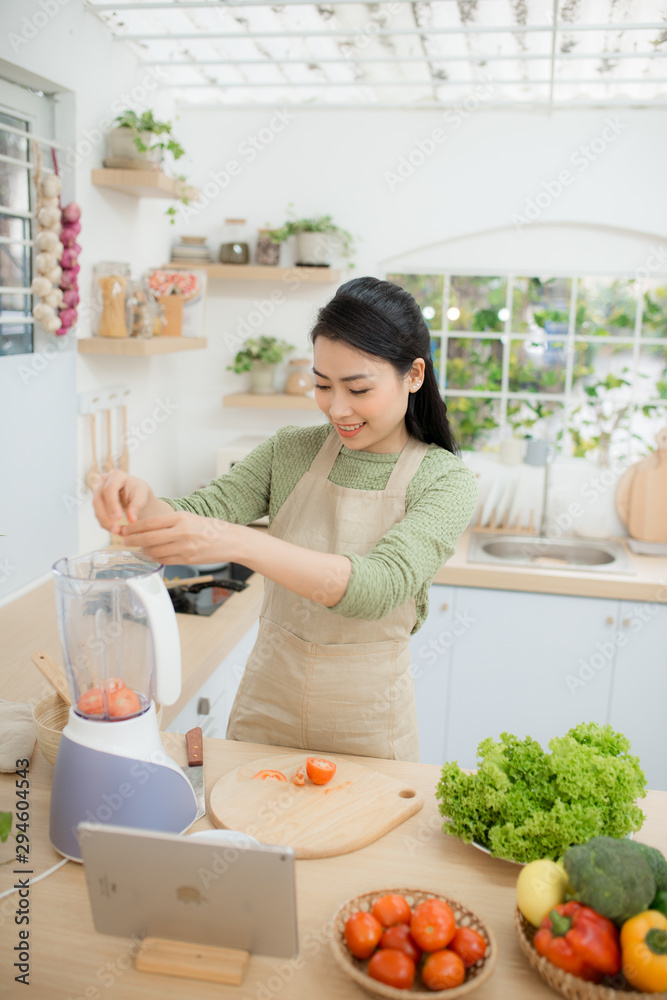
(383, 320)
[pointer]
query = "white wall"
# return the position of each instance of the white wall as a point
(335, 162)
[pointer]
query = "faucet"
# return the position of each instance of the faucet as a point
(545, 496)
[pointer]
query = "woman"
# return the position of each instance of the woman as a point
(363, 511)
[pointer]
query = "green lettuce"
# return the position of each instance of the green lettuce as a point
(524, 804)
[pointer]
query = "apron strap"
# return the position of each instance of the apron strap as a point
(323, 462)
(406, 465)
(404, 470)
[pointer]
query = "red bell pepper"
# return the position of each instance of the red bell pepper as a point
(579, 941)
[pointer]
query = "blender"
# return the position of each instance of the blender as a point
(122, 653)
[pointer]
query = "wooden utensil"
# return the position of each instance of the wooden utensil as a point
(188, 581)
(124, 460)
(641, 497)
(357, 807)
(108, 465)
(94, 473)
(54, 674)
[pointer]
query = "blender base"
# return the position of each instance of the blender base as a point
(90, 784)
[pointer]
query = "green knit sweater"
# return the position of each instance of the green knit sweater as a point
(439, 502)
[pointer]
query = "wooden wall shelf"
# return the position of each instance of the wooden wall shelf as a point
(258, 272)
(142, 183)
(139, 348)
(276, 401)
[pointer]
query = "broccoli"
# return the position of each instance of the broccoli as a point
(611, 876)
(656, 862)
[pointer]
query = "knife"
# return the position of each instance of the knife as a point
(195, 769)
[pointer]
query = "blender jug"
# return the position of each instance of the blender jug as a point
(118, 632)
(121, 647)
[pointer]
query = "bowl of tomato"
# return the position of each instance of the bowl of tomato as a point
(398, 941)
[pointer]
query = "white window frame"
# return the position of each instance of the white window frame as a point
(568, 398)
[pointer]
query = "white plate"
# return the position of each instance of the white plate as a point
(521, 864)
(485, 850)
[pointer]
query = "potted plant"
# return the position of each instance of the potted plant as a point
(260, 358)
(318, 239)
(142, 137)
(144, 140)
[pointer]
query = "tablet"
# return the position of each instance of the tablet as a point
(147, 884)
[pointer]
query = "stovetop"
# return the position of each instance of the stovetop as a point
(204, 598)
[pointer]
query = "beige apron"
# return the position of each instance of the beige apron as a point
(315, 679)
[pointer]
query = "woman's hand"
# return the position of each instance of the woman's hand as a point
(118, 493)
(181, 538)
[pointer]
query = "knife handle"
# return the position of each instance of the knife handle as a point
(195, 745)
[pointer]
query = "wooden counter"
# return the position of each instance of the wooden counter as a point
(30, 623)
(649, 582)
(71, 961)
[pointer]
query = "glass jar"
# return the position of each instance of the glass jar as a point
(233, 249)
(268, 251)
(299, 377)
(110, 300)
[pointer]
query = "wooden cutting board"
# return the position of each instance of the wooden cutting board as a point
(358, 806)
(641, 497)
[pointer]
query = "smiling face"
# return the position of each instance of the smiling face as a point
(362, 396)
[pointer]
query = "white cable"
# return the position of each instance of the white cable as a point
(36, 879)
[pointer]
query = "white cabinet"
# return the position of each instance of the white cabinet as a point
(219, 690)
(639, 698)
(492, 661)
(430, 651)
(520, 667)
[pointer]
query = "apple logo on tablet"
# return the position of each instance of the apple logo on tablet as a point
(190, 894)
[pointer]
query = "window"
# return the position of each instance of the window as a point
(578, 359)
(16, 332)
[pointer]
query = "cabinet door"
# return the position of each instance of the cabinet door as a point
(528, 664)
(639, 695)
(429, 649)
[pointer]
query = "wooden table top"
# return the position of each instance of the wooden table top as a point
(70, 961)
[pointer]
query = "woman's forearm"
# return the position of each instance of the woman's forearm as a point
(154, 508)
(319, 576)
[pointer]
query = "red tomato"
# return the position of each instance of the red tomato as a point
(362, 934)
(263, 775)
(390, 910)
(443, 970)
(123, 703)
(300, 777)
(433, 925)
(393, 968)
(320, 771)
(114, 684)
(400, 939)
(469, 945)
(91, 702)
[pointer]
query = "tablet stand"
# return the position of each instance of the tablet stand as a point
(192, 961)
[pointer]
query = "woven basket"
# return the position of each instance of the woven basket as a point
(571, 986)
(50, 716)
(356, 969)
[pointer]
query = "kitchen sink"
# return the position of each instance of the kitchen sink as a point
(549, 553)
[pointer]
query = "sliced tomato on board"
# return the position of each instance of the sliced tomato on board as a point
(320, 771)
(263, 775)
(300, 777)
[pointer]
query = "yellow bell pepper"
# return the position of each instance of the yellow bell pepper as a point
(644, 951)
